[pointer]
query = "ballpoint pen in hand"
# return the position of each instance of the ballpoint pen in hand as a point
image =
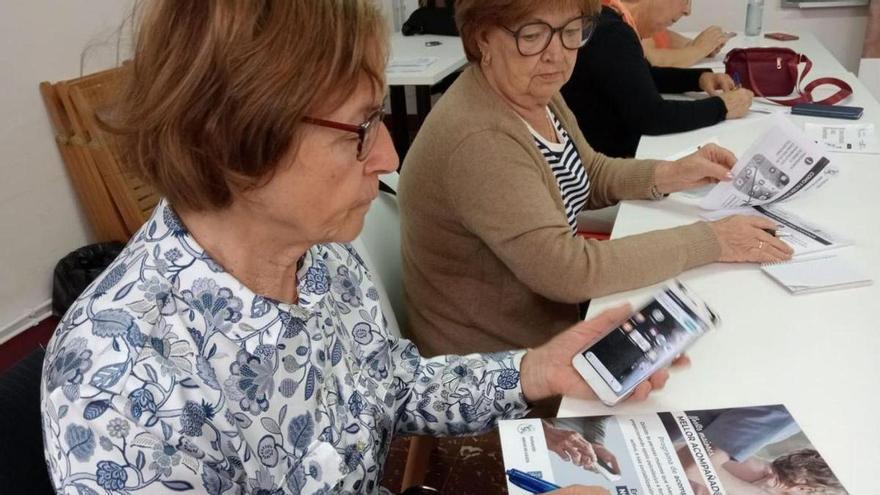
(530, 483)
(776, 232)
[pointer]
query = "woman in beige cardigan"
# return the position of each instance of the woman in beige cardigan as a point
(491, 259)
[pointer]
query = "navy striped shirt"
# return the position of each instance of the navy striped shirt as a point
(571, 176)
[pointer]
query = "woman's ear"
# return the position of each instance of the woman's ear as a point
(484, 46)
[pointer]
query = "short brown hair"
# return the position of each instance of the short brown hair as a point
(473, 16)
(806, 468)
(218, 88)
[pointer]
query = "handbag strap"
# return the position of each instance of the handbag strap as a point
(805, 95)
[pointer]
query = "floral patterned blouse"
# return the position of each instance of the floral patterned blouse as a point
(168, 374)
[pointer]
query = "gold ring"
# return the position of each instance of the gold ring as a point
(760, 244)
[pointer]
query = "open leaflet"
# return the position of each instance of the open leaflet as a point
(735, 451)
(783, 163)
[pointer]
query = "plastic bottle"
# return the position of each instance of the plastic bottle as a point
(754, 17)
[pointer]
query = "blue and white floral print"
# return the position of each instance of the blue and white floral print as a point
(169, 375)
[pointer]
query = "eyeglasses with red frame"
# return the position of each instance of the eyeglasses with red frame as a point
(366, 131)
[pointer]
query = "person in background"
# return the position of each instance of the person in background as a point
(615, 93)
(492, 185)
(237, 345)
(666, 48)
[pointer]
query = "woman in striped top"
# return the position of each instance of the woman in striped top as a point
(570, 174)
(492, 185)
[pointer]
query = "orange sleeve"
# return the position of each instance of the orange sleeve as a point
(661, 39)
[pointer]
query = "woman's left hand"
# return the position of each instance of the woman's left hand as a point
(714, 83)
(547, 371)
(709, 165)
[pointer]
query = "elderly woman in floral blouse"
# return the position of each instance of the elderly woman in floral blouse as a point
(237, 344)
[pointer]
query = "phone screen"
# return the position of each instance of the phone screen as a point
(649, 338)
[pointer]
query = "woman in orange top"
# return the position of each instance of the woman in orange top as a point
(665, 48)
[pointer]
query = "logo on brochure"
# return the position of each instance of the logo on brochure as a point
(622, 490)
(525, 428)
(808, 160)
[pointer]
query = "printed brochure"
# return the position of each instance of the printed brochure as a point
(735, 451)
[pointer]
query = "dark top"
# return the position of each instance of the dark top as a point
(615, 93)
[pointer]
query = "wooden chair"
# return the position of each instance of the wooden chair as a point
(117, 203)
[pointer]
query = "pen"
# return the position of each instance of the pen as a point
(737, 81)
(776, 233)
(530, 483)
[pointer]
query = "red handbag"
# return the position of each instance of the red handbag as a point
(774, 72)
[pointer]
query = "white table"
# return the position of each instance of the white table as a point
(450, 58)
(818, 354)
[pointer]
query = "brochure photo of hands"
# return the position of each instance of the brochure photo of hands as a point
(756, 450)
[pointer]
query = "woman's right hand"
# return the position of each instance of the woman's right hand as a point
(743, 240)
(709, 40)
(737, 102)
(580, 490)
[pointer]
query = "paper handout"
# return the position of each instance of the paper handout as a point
(803, 236)
(782, 163)
(845, 138)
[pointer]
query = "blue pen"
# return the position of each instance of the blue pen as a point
(737, 80)
(530, 483)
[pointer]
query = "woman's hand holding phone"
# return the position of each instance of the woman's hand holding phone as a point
(547, 371)
(638, 351)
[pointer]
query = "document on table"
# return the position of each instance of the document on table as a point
(845, 138)
(409, 64)
(819, 274)
(781, 164)
(803, 236)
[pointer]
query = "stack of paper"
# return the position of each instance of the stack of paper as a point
(804, 276)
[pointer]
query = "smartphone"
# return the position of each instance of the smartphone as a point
(829, 111)
(646, 342)
(781, 36)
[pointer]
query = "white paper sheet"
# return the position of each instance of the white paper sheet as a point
(409, 64)
(845, 138)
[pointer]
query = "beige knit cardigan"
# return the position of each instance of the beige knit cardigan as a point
(489, 259)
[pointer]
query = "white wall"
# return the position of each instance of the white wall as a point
(40, 217)
(840, 29)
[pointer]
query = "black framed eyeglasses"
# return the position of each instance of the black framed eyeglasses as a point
(366, 131)
(533, 38)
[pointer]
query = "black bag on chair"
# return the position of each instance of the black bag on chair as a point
(77, 270)
(430, 18)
